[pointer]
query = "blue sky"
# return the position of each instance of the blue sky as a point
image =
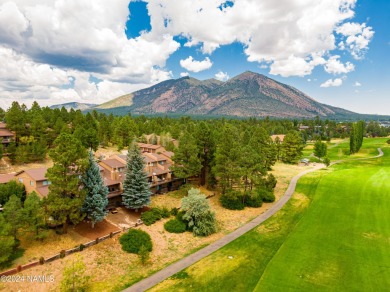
(335, 51)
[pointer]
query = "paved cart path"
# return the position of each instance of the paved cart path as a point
(204, 252)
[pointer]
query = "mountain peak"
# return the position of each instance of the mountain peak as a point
(248, 75)
(247, 94)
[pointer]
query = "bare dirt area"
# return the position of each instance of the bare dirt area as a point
(19, 167)
(113, 269)
(106, 152)
(124, 218)
(100, 229)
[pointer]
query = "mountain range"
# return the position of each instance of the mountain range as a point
(74, 105)
(246, 95)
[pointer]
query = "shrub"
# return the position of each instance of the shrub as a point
(174, 211)
(232, 200)
(183, 190)
(266, 195)
(82, 246)
(150, 217)
(62, 254)
(134, 239)
(41, 260)
(270, 182)
(253, 200)
(175, 226)
(198, 214)
(143, 254)
(165, 213)
(388, 141)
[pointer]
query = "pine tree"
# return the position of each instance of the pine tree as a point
(33, 214)
(13, 214)
(136, 191)
(292, 147)
(7, 241)
(65, 197)
(96, 192)
(187, 162)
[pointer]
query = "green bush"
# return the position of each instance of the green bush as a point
(175, 226)
(134, 239)
(150, 217)
(270, 182)
(165, 213)
(253, 200)
(232, 200)
(174, 211)
(388, 141)
(266, 195)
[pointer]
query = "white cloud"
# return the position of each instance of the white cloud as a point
(358, 36)
(184, 74)
(291, 31)
(196, 66)
(222, 76)
(52, 40)
(334, 66)
(357, 84)
(332, 83)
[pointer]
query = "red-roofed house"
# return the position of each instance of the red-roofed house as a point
(34, 180)
(6, 136)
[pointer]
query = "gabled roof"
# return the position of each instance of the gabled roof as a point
(5, 132)
(37, 174)
(5, 178)
(113, 163)
(43, 191)
(168, 154)
(150, 146)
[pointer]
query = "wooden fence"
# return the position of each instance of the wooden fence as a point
(64, 253)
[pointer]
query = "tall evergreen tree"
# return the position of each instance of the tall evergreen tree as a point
(7, 241)
(96, 200)
(292, 147)
(13, 214)
(206, 150)
(66, 197)
(136, 190)
(187, 162)
(33, 214)
(320, 149)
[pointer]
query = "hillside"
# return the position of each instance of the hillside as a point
(248, 94)
(74, 105)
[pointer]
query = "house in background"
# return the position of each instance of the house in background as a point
(150, 148)
(6, 136)
(34, 180)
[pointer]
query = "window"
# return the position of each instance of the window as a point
(46, 182)
(31, 182)
(20, 180)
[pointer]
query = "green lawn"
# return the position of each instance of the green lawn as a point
(334, 234)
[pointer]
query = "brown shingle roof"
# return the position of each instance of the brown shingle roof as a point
(43, 191)
(6, 133)
(168, 154)
(113, 163)
(4, 178)
(151, 146)
(37, 174)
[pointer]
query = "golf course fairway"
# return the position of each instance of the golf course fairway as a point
(333, 235)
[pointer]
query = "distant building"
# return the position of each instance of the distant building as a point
(6, 136)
